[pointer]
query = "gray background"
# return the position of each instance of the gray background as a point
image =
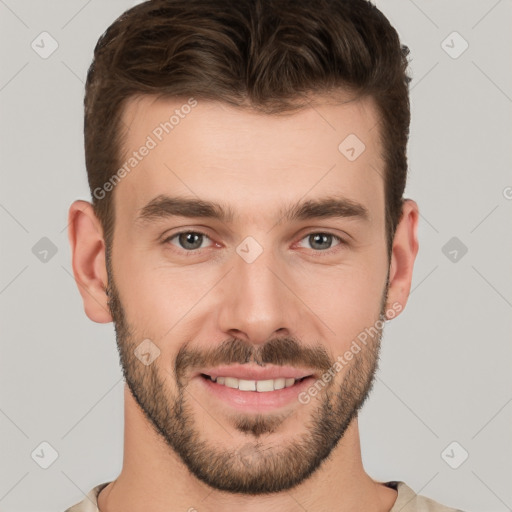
(446, 362)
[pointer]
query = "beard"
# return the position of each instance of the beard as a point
(253, 467)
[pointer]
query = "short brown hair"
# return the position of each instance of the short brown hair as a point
(266, 54)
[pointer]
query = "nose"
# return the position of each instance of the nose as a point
(257, 300)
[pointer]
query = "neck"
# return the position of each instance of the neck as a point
(154, 478)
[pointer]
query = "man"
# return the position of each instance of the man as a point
(248, 237)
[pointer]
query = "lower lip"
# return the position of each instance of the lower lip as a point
(254, 400)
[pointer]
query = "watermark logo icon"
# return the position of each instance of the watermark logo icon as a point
(44, 45)
(454, 250)
(454, 455)
(352, 147)
(44, 250)
(249, 249)
(248, 454)
(146, 352)
(44, 455)
(454, 45)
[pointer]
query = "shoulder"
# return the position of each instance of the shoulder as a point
(408, 501)
(90, 502)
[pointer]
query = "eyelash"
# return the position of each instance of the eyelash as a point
(316, 252)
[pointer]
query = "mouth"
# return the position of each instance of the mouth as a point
(260, 386)
(255, 389)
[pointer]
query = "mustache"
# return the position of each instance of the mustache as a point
(277, 351)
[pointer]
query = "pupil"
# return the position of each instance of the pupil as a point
(318, 239)
(188, 239)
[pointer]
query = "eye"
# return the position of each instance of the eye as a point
(321, 241)
(194, 240)
(188, 240)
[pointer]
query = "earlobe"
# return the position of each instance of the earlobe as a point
(88, 260)
(403, 254)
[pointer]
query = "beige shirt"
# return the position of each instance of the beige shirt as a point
(407, 501)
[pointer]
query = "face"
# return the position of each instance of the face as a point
(249, 254)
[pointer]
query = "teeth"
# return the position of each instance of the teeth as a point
(247, 385)
(262, 386)
(265, 385)
(280, 383)
(231, 382)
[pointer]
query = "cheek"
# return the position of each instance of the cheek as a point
(157, 297)
(348, 300)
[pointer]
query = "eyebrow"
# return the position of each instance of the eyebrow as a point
(164, 206)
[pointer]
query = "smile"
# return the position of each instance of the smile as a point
(261, 386)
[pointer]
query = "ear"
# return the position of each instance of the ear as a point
(404, 250)
(88, 260)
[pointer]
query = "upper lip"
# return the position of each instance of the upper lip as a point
(254, 372)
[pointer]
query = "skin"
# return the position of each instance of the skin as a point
(255, 164)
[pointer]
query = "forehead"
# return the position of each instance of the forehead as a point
(247, 160)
